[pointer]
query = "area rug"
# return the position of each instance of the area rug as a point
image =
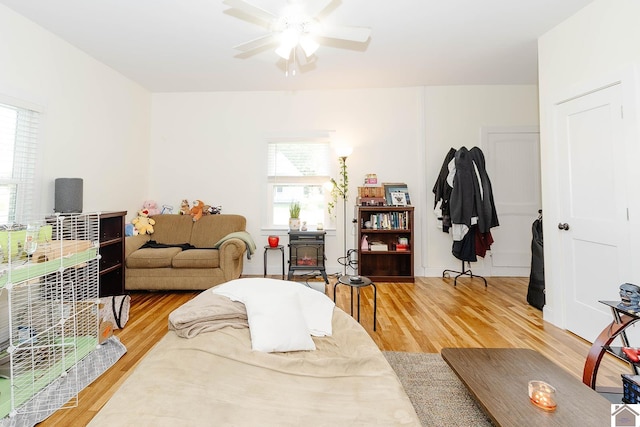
(439, 397)
(85, 371)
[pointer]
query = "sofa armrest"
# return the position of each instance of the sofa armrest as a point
(133, 243)
(231, 257)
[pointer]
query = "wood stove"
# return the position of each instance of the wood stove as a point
(306, 252)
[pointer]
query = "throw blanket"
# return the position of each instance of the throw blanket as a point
(207, 312)
(154, 244)
(215, 379)
(242, 235)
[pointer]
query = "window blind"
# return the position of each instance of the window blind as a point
(18, 157)
(298, 159)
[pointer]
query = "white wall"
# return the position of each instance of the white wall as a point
(454, 117)
(95, 122)
(212, 146)
(129, 145)
(598, 45)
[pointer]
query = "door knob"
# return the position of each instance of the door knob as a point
(563, 226)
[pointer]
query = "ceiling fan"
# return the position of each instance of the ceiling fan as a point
(299, 24)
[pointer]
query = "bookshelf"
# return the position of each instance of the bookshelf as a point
(112, 253)
(385, 242)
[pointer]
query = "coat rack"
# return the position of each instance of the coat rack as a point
(446, 273)
(464, 204)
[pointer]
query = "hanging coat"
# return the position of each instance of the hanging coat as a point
(461, 202)
(535, 292)
(485, 206)
(442, 192)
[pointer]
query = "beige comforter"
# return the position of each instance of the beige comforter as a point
(215, 379)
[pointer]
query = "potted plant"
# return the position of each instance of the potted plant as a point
(339, 189)
(294, 216)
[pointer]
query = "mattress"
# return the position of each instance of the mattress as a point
(215, 378)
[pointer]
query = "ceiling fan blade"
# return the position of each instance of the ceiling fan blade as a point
(251, 10)
(257, 42)
(355, 34)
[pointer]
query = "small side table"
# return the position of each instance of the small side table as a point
(267, 248)
(346, 280)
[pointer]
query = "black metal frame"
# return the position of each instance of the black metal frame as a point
(464, 272)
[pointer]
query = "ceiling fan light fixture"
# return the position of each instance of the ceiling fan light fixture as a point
(283, 51)
(288, 40)
(308, 45)
(299, 25)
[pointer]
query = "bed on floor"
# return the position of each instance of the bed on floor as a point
(261, 352)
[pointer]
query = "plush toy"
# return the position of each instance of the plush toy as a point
(197, 210)
(184, 207)
(212, 210)
(130, 230)
(152, 207)
(143, 223)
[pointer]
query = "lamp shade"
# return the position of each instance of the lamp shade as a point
(308, 45)
(344, 150)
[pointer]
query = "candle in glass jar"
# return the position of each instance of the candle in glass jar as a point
(542, 395)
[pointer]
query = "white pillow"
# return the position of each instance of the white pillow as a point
(317, 308)
(276, 323)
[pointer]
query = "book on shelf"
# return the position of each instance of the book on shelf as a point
(389, 221)
(378, 246)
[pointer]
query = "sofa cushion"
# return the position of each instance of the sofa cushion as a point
(152, 257)
(197, 258)
(172, 229)
(211, 228)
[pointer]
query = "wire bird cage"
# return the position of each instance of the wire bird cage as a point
(48, 308)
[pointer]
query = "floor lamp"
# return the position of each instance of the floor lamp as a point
(343, 175)
(341, 189)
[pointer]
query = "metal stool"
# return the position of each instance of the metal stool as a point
(266, 250)
(346, 280)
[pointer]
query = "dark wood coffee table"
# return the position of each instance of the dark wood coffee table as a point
(498, 378)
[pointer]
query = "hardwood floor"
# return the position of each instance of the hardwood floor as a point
(424, 316)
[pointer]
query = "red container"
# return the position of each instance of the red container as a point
(273, 241)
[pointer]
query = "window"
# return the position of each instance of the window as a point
(18, 156)
(297, 171)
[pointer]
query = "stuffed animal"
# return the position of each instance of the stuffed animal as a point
(130, 230)
(152, 207)
(197, 210)
(184, 207)
(143, 223)
(212, 210)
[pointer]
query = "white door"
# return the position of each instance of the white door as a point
(594, 241)
(513, 164)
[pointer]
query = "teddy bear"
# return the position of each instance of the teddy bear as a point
(143, 223)
(197, 210)
(184, 207)
(152, 207)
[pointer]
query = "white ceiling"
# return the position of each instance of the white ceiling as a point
(187, 45)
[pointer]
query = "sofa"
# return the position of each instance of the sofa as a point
(183, 254)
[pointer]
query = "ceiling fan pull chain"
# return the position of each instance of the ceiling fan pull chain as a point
(294, 62)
